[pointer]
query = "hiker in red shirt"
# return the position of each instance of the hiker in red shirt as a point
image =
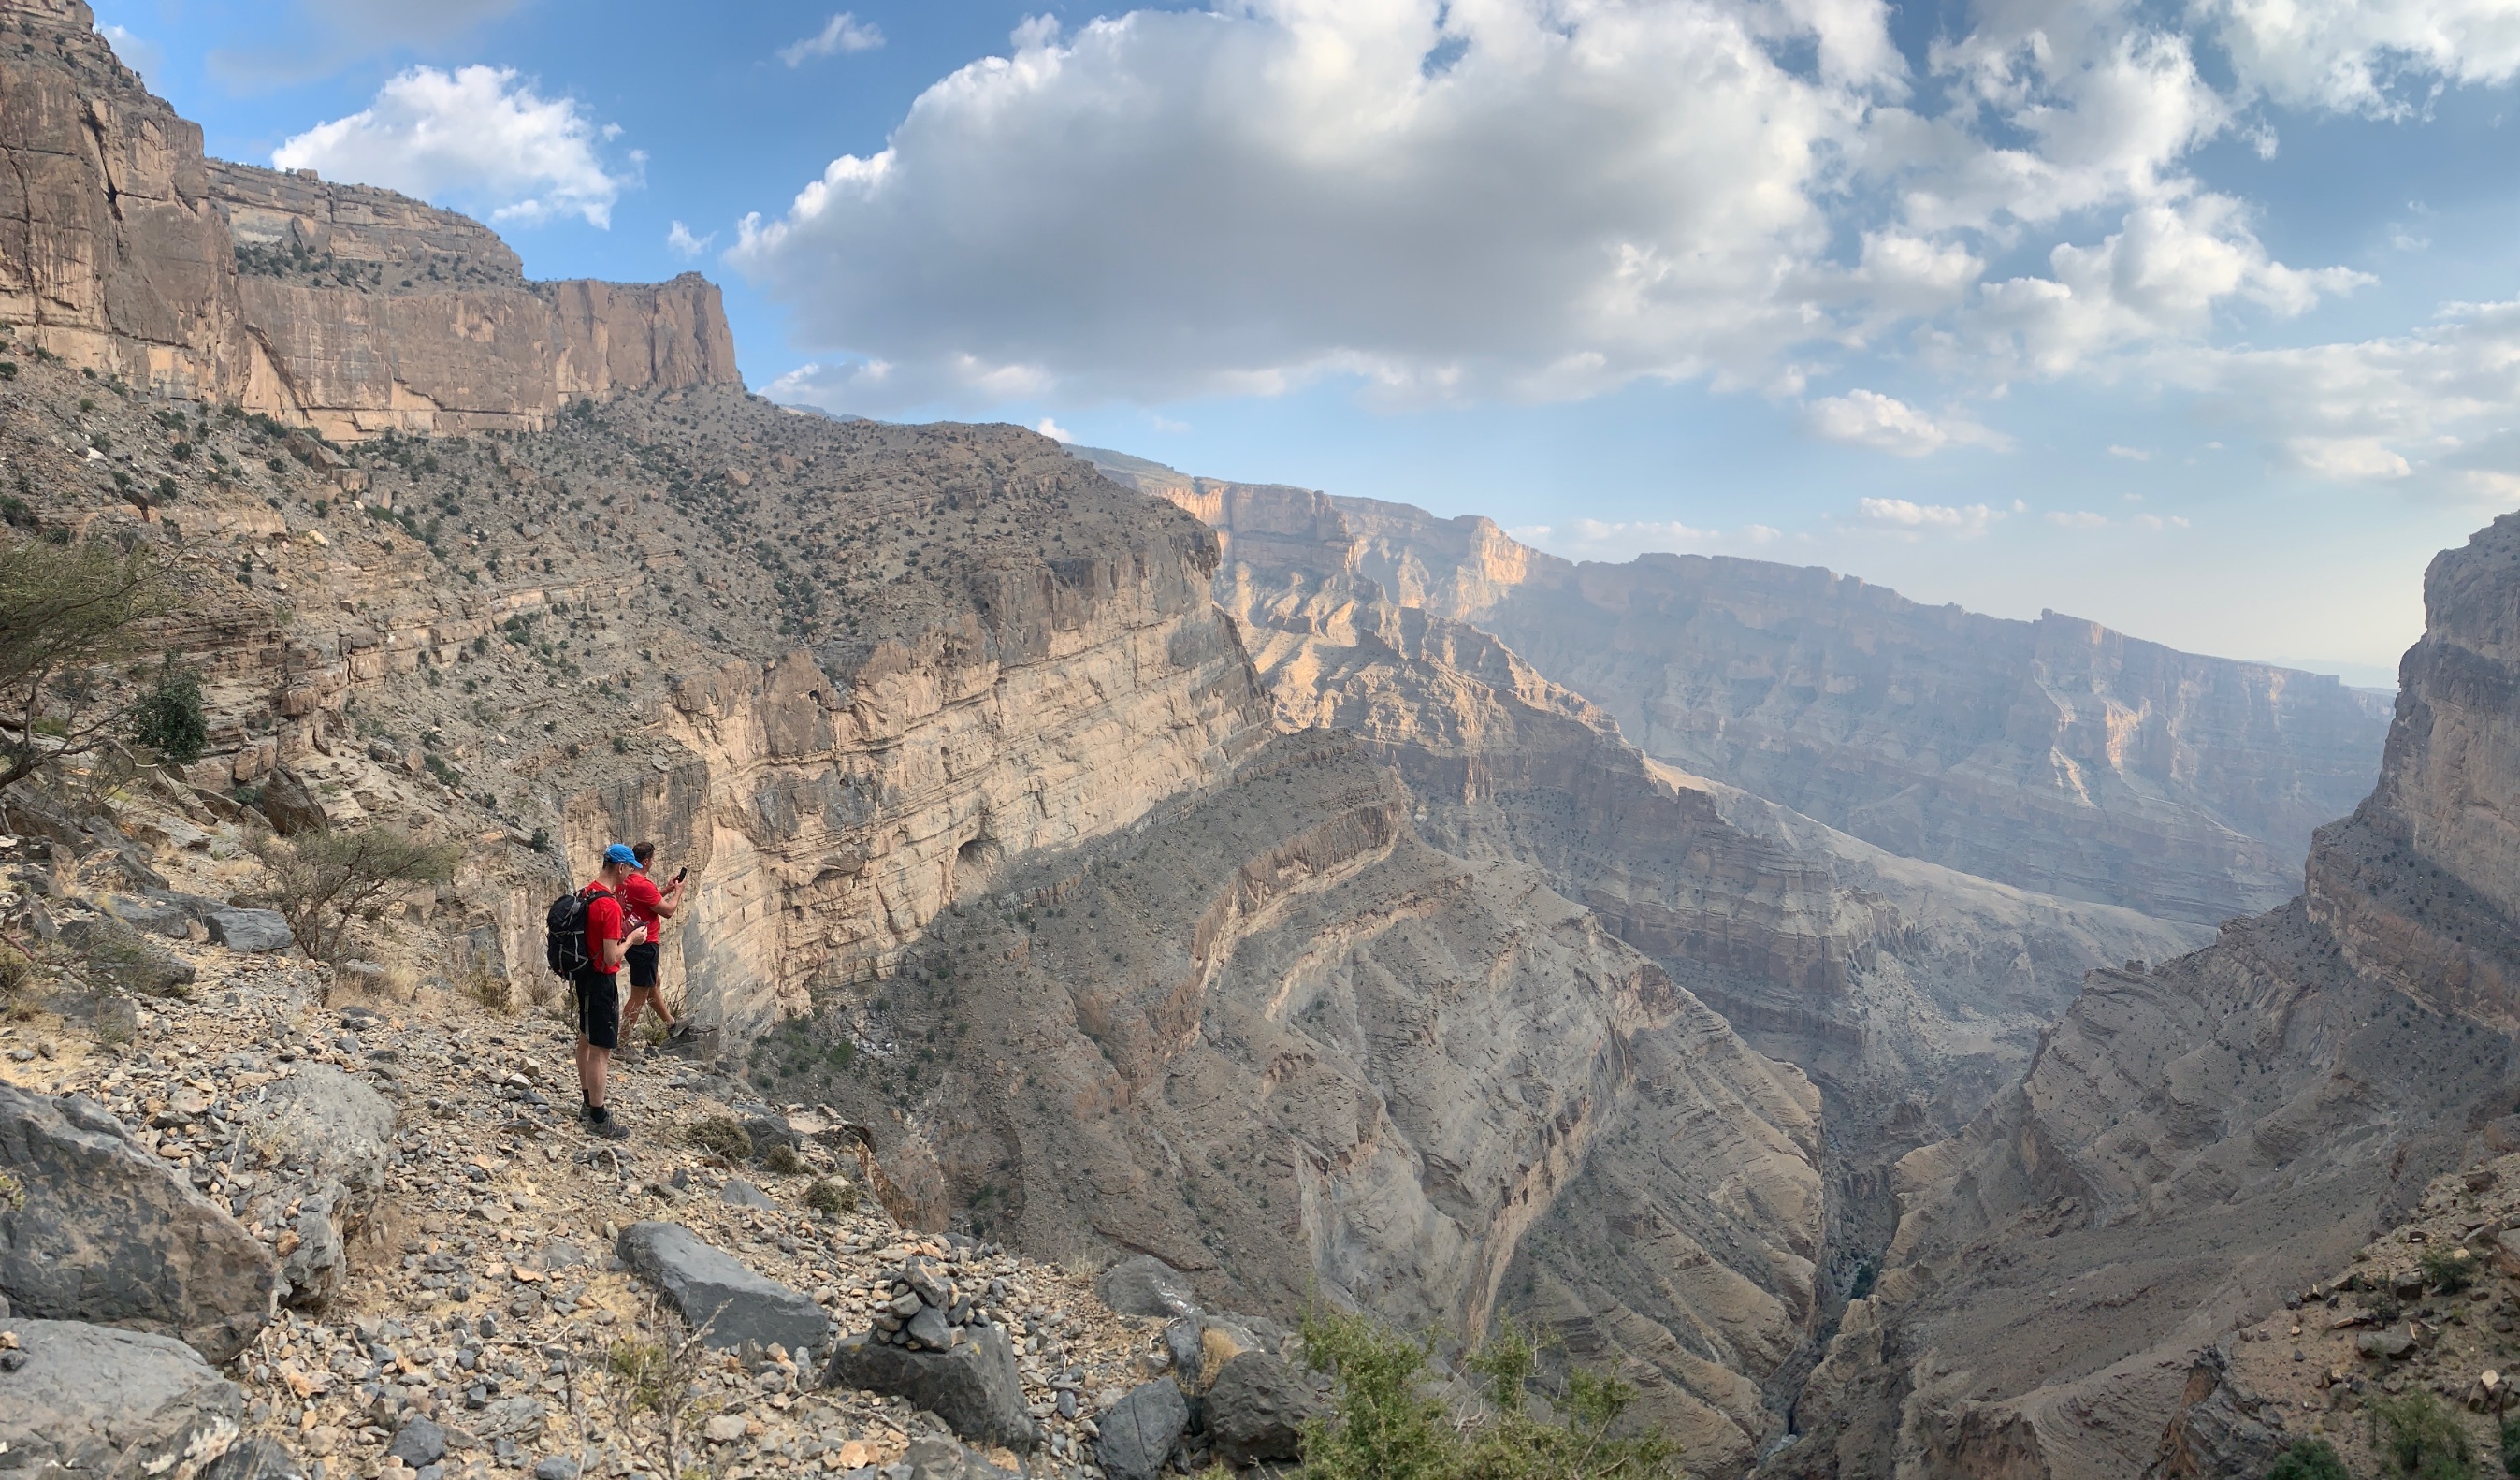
(650, 907)
(599, 1000)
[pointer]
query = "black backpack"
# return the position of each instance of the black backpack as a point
(564, 933)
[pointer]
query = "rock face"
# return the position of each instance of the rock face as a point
(2054, 755)
(101, 1232)
(1257, 1408)
(1139, 1432)
(2196, 1141)
(88, 1400)
(350, 309)
(718, 1294)
(330, 1137)
(973, 1387)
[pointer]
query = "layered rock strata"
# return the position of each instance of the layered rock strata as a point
(2197, 1142)
(2054, 755)
(352, 310)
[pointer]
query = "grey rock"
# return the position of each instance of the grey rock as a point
(120, 957)
(104, 1233)
(2386, 1344)
(419, 1441)
(1140, 1431)
(717, 1293)
(744, 1195)
(974, 1387)
(555, 1468)
(256, 930)
(255, 1459)
(153, 916)
(927, 1327)
(925, 1281)
(90, 1400)
(932, 1459)
(1256, 1410)
(1144, 1285)
(291, 804)
(336, 1133)
(518, 1419)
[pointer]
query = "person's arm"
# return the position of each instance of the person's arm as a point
(670, 900)
(619, 945)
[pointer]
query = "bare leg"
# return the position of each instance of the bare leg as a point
(592, 1075)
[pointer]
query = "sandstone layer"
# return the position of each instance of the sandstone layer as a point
(351, 311)
(2055, 755)
(2197, 1142)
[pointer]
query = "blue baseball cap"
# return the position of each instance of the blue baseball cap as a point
(619, 853)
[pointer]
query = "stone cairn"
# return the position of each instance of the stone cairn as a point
(931, 1309)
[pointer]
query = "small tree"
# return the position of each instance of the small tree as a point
(2417, 1436)
(169, 718)
(2310, 1460)
(66, 610)
(323, 881)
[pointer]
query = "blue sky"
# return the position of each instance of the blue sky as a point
(2198, 320)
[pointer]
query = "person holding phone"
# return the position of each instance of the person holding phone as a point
(650, 907)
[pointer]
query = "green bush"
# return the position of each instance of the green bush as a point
(2417, 1436)
(2310, 1460)
(2448, 1270)
(721, 1136)
(1387, 1429)
(169, 718)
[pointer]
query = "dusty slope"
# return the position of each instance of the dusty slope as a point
(2197, 1140)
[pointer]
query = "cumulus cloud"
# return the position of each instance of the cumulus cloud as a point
(1579, 197)
(481, 137)
(142, 56)
(843, 32)
(2132, 455)
(1053, 430)
(681, 243)
(1909, 520)
(1615, 540)
(2364, 56)
(1885, 424)
(2080, 518)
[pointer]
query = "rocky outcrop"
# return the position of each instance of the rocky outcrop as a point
(1274, 1039)
(328, 1137)
(95, 1229)
(345, 308)
(88, 1400)
(2054, 755)
(2197, 1143)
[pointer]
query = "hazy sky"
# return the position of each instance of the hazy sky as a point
(2202, 320)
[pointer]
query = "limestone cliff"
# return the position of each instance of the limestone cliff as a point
(2198, 1141)
(2056, 755)
(348, 309)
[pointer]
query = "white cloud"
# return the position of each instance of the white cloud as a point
(2080, 518)
(843, 32)
(2132, 455)
(478, 138)
(2364, 56)
(1615, 540)
(1623, 191)
(2155, 522)
(1053, 430)
(681, 243)
(1885, 424)
(1909, 519)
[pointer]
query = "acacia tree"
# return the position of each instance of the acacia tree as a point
(323, 881)
(67, 612)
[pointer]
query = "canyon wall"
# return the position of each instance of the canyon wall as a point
(348, 309)
(2197, 1143)
(2055, 755)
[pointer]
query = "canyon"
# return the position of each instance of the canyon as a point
(1822, 1008)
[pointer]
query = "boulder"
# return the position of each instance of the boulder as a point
(291, 804)
(259, 930)
(718, 1294)
(103, 1231)
(933, 1458)
(332, 1137)
(1140, 1431)
(2384, 1345)
(90, 1400)
(744, 1195)
(1256, 1410)
(255, 1459)
(419, 1441)
(114, 955)
(974, 1387)
(1144, 1285)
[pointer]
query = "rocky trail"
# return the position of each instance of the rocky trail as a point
(281, 1218)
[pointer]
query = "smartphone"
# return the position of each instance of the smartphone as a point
(681, 871)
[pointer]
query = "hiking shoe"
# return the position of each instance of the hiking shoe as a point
(608, 1128)
(678, 1032)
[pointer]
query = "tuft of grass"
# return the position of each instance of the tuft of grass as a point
(721, 1136)
(832, 1196)
(2448, 1270)
(781, 1158)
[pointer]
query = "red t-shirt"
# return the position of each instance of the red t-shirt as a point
(603, 925)
(641, 897)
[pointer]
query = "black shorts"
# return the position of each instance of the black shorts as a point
(642, 962)
(599, 1008)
